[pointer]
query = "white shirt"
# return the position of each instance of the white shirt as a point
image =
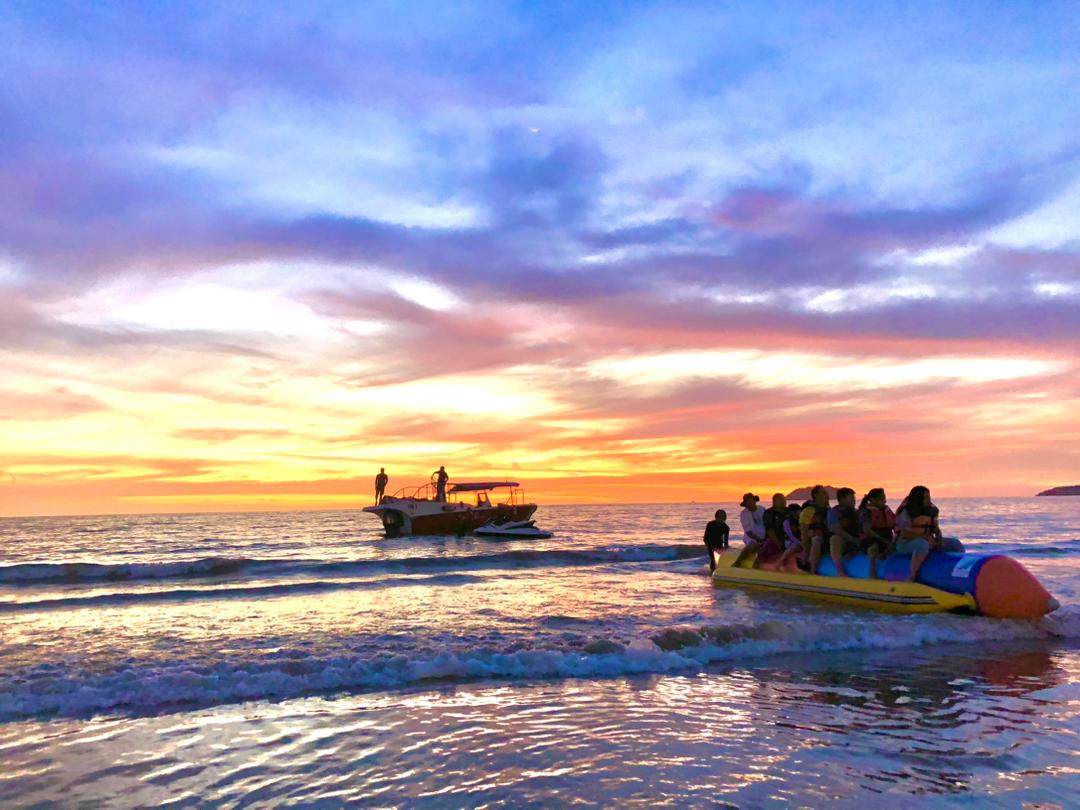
(752, 522)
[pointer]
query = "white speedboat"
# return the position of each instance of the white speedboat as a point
(512, 528)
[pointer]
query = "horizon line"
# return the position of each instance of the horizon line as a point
(361, 508)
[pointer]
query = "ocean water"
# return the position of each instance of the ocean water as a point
(285, 658)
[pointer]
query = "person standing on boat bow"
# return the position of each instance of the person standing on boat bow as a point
(381, 480)
(441, 478)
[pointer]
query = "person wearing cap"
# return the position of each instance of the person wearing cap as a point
(752, 519)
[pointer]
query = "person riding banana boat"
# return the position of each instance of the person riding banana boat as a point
(919, 532)
(877, 526)
(899, 562)
(781, 522)
(812, 522)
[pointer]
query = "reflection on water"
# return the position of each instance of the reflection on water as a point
(216, 659)
(852, 727)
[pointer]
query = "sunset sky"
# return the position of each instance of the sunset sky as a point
(637, 252)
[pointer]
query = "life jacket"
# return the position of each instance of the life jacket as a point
(820, 519)
(849, 520)
(923, 522)
(774, 523)
(882, 521)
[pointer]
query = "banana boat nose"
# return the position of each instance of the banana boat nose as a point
(1006, 590)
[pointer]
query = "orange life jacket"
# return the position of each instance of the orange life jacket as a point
(882, 521)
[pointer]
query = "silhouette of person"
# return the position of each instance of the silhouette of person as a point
(716, 536)
(441, 478)
(381, 480)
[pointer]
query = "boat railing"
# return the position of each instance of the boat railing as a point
(515, 498)
(424, 492)
(427, 492)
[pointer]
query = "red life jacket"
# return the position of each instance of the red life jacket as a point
(882, 521)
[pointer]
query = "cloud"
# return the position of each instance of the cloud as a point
(395, 224)
(55, 403)
(219, 435)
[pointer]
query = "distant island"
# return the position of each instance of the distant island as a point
(1073, 490)
(803, 493)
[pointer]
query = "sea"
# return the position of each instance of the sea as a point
(302, 659)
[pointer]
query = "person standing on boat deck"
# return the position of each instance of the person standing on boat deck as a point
(843, 525)
(381, 480)
(752, 519)
(716, 536)
(440, 483)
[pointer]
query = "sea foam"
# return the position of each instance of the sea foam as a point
(156, 684)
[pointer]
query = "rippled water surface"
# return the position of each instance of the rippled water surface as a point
(272, 658)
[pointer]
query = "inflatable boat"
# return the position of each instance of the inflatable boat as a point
(987, 584)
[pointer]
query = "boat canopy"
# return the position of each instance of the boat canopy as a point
(482, 485)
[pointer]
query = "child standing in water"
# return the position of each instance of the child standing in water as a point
(716, 536)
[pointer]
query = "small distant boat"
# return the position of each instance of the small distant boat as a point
(467, 507)
(512, 528)
(988, 584)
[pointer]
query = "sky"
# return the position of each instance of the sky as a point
(251, 253)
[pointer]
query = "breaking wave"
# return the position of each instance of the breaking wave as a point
(135, 685)
(121, 599)
(75, 572)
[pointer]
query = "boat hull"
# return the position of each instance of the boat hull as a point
(426, 518)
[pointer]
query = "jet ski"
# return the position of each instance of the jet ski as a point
(512, 528)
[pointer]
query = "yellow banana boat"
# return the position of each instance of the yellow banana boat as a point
(878, 594)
